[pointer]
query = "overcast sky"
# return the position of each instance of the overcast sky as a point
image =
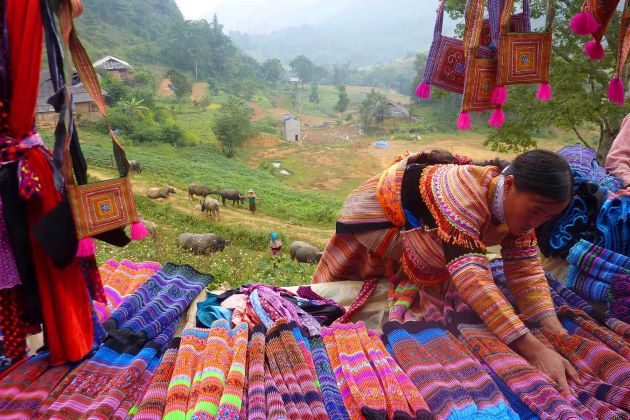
(262, 16)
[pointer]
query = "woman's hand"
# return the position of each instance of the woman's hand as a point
(553, 324)
(548, 361)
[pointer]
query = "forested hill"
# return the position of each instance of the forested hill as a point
(155, 32)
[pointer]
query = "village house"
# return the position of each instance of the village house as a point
(291, 125)
(116, 67)
(82, 103)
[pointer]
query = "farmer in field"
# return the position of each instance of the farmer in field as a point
(425, 224)
(251, 197)
(275, 244)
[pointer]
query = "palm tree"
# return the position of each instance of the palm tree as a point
(134, 105)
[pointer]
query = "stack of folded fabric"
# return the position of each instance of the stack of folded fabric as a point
(592, 270)
(619, 304)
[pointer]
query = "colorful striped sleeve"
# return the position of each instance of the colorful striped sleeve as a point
(473, 280)
(526, 277)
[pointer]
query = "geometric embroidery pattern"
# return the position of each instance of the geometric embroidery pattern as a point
(481, 83)
(524, 58)
(449, 70)
(102, 206)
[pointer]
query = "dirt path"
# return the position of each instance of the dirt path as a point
(233, 215)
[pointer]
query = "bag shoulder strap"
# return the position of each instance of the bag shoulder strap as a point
(83, 65)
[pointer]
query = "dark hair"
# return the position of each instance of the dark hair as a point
(543, 173)
(502, 164)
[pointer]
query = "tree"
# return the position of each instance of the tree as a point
(373, 107)
(314, 96)
(343, 102)
(233, 125)
(272, 70)
(303, 68)
(579, 89)
(134, 105)
(181, 84)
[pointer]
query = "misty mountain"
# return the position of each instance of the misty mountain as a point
(362, 32)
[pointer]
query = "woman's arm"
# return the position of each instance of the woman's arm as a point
(527, 282)
(472, 278)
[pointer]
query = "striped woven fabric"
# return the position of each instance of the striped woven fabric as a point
(232, 397)
(401, 403)
(444, 395)
(531, 386)
(188, 362)
(328, 384)
(358, 372)
(284, 356)
(210, 377)
(467, 370)
(276, 408)
(120, 280)
(153, 402)
(24, 389)
(592, 357)
(522, 410)
(351, 405)
(110, 382)
(417, 404)
(604, 335)
(256, 406)
(305, 350)
(592, 269)
(572, 300)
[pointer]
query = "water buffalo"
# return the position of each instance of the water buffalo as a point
(202, 243)
(135, 166)
(304, 252)
(211, 207)
(231, 195)
(199, 190)
(151, 228)
(160, 192)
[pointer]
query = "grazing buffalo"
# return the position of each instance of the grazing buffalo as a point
(231, 195)
(199, 190)
(160, 192)
(135, 166)
(151, 228)
(304, 252)
(211, 207)
(202, 243)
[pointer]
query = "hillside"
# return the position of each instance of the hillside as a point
(154, 32)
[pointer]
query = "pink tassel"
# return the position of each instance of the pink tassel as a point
(138, 231)
(584, 24)
(497, 118)
(87, 247)
(616, 92)
(544, 92)
(463, 121)
(594, 50)
(423, 90)
(499, 95)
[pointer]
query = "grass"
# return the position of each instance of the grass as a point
(166, 165)
(246, 259)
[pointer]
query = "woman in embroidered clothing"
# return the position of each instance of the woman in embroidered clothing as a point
(426, 222)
